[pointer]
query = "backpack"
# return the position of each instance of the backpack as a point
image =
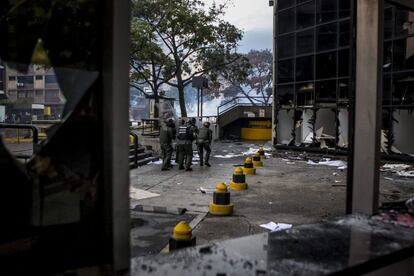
(183, 133)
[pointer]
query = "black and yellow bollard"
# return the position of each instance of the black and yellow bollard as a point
(221, 205)
(182, 236)
(248, 168)
(239, 180)
(257, 160)
(262, 153)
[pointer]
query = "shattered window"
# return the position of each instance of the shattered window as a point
(403, 85)
(398, 57)
(51, 133)
(403, 54)
(305, 94)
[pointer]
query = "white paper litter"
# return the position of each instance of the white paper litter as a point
(158, 162)
(204, 190)
(406, 173)
(333, 163)
(273, 227)
(395, 167)
(137, 194)
(230, 155)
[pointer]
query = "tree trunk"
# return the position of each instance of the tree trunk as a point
(181, 98)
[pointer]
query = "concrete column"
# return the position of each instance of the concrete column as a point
(368, 104)
(274, 104)
(116, 128)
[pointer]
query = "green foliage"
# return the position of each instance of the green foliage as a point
(189, 40)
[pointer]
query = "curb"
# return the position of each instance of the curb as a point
(159, 209)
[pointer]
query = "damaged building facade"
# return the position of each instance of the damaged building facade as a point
(315, 75)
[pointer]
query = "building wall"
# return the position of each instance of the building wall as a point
(36, 87)
(313, 70)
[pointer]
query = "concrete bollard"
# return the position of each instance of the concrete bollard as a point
(221, 205)
(182, 237)
(239, 180)
(248, 168)
(257, 160)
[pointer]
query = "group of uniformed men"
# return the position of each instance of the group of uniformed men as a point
(187, 133)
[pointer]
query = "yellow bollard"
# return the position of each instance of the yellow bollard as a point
(262, 153)
(257, 160)
(182, 236)
(221, 205)
(239, 180)
(248, 168)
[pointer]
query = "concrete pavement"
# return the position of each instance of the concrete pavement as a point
(288, 191)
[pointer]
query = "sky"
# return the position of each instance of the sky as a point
(254, 17)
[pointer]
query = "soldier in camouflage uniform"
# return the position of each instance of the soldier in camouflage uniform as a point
(167, 135)
(204, 138)
(186, 135)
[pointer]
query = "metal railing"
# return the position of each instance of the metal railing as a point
(150, 127)
(133, 153)
(35, 136)
(241, 101)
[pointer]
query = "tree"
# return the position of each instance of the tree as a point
(193, 40)
(250, 76)
(260, 73)
(149, 66)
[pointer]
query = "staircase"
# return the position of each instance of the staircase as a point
(139, 155)
(244, 118)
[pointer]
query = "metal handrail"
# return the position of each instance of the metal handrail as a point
(236, 103)
(135, 145)
(34, 129)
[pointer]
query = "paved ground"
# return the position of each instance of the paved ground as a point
(288, 191)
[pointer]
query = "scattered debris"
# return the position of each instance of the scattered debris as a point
(338, 185)
(334, 173)
(204, 190)
(333, 163)
(290, 163)
(398, 219)
(230, 155)
(270, 202)
(273, 227)
(406, 173)
(402, 170)
(158, 162)
(338, 181)
(395, 167)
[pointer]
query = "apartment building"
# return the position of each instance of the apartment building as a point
(33, 95)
